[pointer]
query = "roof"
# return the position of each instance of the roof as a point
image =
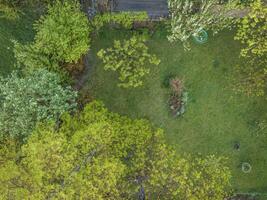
(154, 8)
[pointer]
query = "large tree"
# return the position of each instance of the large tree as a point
(25, 101)
(101, 155)
(62, 36)
(189, 17)
(252, 31)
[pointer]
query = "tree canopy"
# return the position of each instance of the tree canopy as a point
(101, 155)
(62, 36)
(189, 17)
(25, 101)
(251, 32)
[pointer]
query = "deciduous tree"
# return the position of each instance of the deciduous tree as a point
(101, 155)
(130, 58)
(62, 36)
(189, 17)
(252, 31)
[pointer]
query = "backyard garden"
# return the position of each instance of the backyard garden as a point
(121, 107)
(216, 118)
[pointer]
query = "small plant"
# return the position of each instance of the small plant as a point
(215, 63)
(246, 167)
(178, 97)
(131, 59)
(166, 80)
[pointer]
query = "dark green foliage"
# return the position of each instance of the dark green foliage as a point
(167, 79)
(36, 98)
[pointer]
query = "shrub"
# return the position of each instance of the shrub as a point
(62, 36)
(130, 58)
(29, 58)
(64, 32)
(8, 10)
(124, 19)
(26, 101)
(252, 75)
(166, 80)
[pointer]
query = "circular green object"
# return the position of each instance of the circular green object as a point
(246, 167)
(201, 37)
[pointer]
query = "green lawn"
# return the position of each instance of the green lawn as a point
(215, 117)
(21, 30)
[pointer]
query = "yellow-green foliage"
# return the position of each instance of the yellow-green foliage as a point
(8, 11)
(251, 32)
(125, 19)
(130, 58)
(62, 36)
(101, 155)
(64, 32)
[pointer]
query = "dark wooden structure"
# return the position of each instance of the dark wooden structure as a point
(154, 8)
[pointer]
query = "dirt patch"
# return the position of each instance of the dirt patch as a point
(82, 76)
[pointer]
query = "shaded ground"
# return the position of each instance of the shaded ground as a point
(215, 118)
(20, 30)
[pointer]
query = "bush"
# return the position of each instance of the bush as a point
(130, 58)
(36, 98)
(166, 80)
(64, 32)
(62, 37)
(124, 19)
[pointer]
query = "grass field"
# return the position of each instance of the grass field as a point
(215, 117)
(20, 30)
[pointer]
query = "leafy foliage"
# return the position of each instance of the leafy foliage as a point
(125, 19)
(8, 10)
(189, 17)
(30, 58)
(129, 58)
(101, 155)
(64, 32)
(25, 101)
(12, 9)
(62, 37)
(252, 33)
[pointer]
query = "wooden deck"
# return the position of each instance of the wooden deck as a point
(154, 8)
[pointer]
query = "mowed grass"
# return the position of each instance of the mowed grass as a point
(215, 118)
(21, 30)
